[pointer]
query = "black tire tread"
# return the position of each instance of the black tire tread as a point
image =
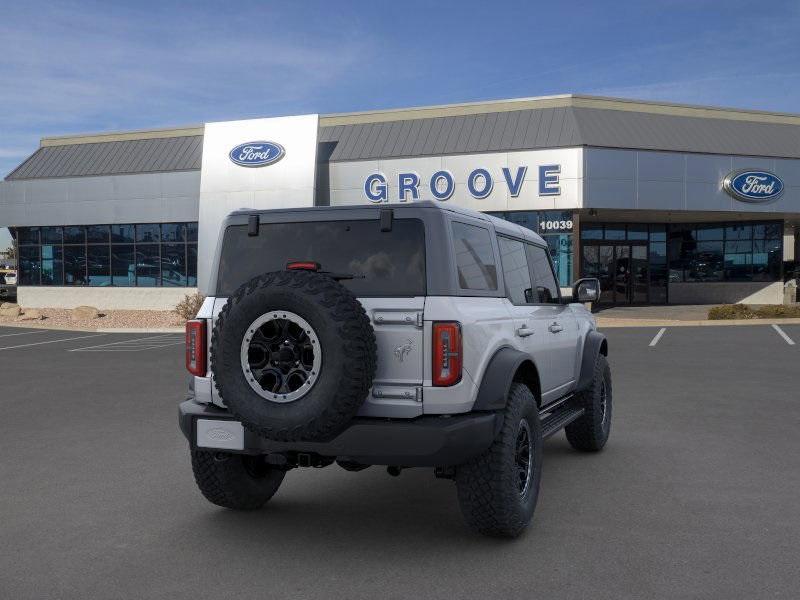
(489, 504)
(586, 433)
(227, 483)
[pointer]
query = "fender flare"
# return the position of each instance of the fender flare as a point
(497, 379)
(594, 344)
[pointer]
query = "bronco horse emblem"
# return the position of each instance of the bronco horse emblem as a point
(402, 351)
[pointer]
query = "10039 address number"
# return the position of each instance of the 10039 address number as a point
(565, 225)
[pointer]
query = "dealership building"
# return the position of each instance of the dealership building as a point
(665, 203)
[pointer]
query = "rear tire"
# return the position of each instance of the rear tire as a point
(236, 481)
(590, 432)
(494, 498)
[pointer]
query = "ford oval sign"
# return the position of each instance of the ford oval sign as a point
(753, 186)
(257, 154)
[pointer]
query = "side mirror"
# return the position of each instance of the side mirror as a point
(586, 290)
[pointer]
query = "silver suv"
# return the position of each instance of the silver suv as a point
(418, 335)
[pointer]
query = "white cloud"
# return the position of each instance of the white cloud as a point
(72, 68)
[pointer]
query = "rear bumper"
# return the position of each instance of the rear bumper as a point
(427, 441)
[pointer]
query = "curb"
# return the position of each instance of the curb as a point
(42, 325)
(610, 323)
(140, 330)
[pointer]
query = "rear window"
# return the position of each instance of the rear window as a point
(392, 263)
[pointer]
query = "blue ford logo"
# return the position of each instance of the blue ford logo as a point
(753, 186)
(257, 154)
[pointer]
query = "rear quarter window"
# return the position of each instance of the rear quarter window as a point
(475, 261)
(386, 263)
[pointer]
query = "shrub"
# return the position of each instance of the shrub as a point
(778, 311)
(747, 311)
(731, 311)
(189, 307)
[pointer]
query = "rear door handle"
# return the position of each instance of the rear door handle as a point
(524, 331)
(555, 328)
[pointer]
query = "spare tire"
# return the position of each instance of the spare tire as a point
(293, 355)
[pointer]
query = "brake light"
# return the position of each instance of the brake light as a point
(447, 353)
(196, 347)
(303, 265)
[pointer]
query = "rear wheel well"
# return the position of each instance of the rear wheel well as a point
(528, 375)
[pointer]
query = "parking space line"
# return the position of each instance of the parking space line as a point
(658, 336)
(24, 333)
(127, 348)
(83, 337)
(147, 341)
(782, 333)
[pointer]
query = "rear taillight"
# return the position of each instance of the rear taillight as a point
(447, 353)
(196, 347)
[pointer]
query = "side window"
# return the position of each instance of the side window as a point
(515, 271)
(547, 291)
(474, 257)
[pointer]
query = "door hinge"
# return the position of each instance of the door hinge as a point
(394, 317)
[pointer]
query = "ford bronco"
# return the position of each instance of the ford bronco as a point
(418, 335)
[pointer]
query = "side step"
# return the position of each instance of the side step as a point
(559, 418)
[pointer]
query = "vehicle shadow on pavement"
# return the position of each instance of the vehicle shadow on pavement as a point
(358, 509)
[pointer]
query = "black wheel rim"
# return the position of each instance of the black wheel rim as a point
(523, 459)
(603, 403)
(281, 356)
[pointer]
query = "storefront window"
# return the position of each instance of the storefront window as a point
(591, 231)
(173, 265)
(52, 235)
(614, 232)
(74, 235)
(148, 233)
(123, 265)
(52, 265)
(726, 252)
(29, 263)
(148, 254)
(148, 265)
(75, 265)
(122, 234)
(99, 265)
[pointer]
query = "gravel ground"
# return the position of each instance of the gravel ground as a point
(127, 319)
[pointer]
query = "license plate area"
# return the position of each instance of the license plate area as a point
(219, 434)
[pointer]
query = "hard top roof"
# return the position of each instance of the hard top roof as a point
(500, 225)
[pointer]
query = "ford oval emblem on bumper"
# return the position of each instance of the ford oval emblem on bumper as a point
(257, 154)
(750, 185)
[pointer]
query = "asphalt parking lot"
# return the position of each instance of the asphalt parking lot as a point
(696, 495)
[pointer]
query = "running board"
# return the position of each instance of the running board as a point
(558, 419)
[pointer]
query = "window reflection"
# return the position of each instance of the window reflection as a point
(108, 255)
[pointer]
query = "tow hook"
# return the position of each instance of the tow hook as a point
(394, 470)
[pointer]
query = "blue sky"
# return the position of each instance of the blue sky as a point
(74, 67)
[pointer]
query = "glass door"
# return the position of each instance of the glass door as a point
(622, 274)
(622, 269)
(639, 280)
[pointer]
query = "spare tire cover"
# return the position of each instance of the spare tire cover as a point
(293, 355)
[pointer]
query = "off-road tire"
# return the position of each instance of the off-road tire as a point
(589, 432)
(236, 481)
(347, 343)
(487, 485)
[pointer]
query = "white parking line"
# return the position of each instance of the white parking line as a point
(24, 333)
(137, 348)
(782, 333)
(83, 337)
(658, 336)
(130, 344)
